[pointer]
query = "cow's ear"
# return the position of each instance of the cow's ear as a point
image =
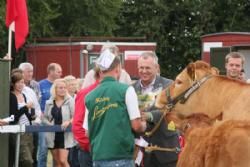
(215, 71)
(191, 71)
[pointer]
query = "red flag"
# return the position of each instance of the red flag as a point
(16, 11)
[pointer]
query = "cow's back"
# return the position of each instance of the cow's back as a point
(223, 145)
(229, 145)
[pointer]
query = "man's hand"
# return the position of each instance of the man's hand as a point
(147, 116)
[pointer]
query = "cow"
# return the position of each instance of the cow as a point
(213, 144)
(199, 88)
(186, 124)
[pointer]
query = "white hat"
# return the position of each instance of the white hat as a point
(105, 60)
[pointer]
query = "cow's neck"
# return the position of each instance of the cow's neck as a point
(215, 96)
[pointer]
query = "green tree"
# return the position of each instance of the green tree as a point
(63, 18)
(3, 30)
(86, 17)
(177, 25)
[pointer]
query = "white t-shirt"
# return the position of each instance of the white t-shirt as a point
(31, 97)
(23, 120)
(89, 78)
(131, 103)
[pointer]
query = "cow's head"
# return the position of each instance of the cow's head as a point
(192, 73)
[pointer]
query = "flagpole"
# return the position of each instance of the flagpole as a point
(10, 42)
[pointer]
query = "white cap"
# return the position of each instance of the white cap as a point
(105, 60)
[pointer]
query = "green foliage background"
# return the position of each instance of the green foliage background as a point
(176, 25)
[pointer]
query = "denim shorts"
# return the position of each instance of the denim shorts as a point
(114, 163)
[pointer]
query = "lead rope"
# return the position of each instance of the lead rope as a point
(157, 148)
(150, 133)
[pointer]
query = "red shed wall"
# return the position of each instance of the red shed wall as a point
(68, 56)
(227, 39)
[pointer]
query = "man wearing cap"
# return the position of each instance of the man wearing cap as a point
(111, 114)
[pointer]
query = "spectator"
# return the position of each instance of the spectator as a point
(234, 64)
(123, 78)
(59, 110)
(147, 87)
(79, 132)
(22, 109)
(54, 72)
(71, 83)
(27, 69)
(112, 110)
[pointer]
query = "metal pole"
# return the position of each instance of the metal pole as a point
(17, 149)
(81, 64)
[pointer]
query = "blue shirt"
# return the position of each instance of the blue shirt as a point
(45, 86)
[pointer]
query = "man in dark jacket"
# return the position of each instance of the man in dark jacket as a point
(149, 84)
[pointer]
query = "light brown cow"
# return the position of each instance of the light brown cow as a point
(187, 124)
(214, 94)
(226, 144)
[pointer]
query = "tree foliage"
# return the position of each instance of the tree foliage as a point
(176, 25)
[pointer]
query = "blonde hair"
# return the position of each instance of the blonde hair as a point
(80, 82)
(53, 87)
(69, 78)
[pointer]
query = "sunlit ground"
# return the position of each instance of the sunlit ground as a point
(49, 160)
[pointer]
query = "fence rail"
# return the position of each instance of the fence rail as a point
(18, 129)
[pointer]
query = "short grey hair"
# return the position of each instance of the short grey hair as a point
(26, 65)
(151, 54)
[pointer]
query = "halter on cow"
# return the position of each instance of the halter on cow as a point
(217, 94)
(196, 80)
(185, 95)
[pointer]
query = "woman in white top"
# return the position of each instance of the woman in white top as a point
(23, 115)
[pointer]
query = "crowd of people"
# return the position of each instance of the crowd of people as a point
(109, 114)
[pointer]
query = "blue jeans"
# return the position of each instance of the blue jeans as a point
(114, 163)
(84, 158)
(42, 150)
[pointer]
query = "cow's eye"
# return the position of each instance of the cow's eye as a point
(178, 82)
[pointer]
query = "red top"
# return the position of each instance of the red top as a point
(77, 129)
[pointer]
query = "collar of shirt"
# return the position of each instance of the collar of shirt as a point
(148, 88)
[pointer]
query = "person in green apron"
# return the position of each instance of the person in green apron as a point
(112, 115)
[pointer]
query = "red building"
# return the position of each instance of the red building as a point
(216, 46)
(70, 56)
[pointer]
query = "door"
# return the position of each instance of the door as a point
(217, 58)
